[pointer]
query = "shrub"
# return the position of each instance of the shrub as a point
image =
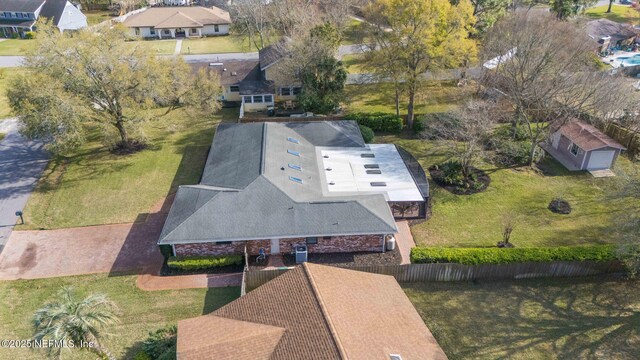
(141, 355)
(433, 123)
(477, 256)
(514, 153)
(367, 134)
(378, 122)
(418, 125)
(203, 262)
(450, 173)
(506, 132)
(30, 35)
(161, 344)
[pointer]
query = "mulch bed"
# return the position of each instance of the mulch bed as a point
(128, 149)
(560, 206)
(480, 184)
(167, 271)
(350, 259)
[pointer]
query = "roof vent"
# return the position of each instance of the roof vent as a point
(233, 73)
(216, 64)
(371, 166)
(225, 69)
(332, 183)
(378, 184)
(373, 172)
(368, 155)
(326, 156)
(328, 169)
(395, 357)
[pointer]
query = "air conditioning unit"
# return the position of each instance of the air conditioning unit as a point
(301, 254)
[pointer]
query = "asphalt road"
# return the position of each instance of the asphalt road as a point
(21, 164)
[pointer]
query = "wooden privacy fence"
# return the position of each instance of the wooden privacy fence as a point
(458, 272)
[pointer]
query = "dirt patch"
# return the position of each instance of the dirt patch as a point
(128, 148)
(477, 182)
(350, 259)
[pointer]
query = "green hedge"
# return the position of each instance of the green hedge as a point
(379, 122)
(203, 262)
(367, 134)
(477, 256)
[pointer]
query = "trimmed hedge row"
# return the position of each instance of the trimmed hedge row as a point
(367, 134)
(203, 262)
(478, 256)
(379, 122)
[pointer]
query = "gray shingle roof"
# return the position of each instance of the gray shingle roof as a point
(246, 191)
(53, 9)
(273, 53)
(20, 5)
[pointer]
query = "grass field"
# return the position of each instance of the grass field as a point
(475, 220)
(97, 16)
(5, 77)
(16, 46)
(436, 96)
(93, 186)
(619, 13)
(139, 311)
(161, 47)
(216, 44)
(579, 318)
(354, 63)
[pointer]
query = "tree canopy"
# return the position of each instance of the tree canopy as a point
(98, 78)
(323, 85)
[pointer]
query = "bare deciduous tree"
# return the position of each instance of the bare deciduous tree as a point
(547, 71)
(252, 19)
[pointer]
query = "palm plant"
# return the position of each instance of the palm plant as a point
(80, 321)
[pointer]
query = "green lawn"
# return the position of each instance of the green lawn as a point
(353, 33)
(475, 220)
(93, 186)
(216, 44)
(578, 318)
(140, 311)
(619, 13)
(98, 16)
(435, 96)
(161, 47)
(16, 46)
(5, 77)
(354, 63)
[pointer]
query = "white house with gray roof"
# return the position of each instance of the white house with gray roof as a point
(18, 17)
(273, 186)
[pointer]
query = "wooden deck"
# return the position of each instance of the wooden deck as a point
(561, 157)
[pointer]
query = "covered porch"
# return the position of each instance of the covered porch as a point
(561, 157)
(177, 32)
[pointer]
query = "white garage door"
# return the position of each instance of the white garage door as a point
(601, 159)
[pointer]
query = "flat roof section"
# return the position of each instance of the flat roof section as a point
(347, 171)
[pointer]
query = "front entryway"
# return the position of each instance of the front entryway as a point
(275, 246)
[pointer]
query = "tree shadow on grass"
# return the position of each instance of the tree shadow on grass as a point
(216, 298)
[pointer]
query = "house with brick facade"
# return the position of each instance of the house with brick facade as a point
(313, 312)
(273, 186)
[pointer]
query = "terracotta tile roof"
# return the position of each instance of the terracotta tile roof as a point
(328, 313)
(588, 137)
(183, 16)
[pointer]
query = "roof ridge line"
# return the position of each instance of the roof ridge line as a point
(264, 148)
(325, 313)
(372, 213)
(189, 217)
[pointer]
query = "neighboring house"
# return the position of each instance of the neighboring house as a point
(243, 78)
(273, 186)
(179, 22)
(313, 312)
(610, 34)
(270, 60)
(18, 17)
(580, 146)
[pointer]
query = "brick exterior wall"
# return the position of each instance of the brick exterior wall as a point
(336, 244)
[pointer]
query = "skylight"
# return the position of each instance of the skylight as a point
(372, 172)
(293, 140)
(371, 166)
(295, 179)
(368, 155)
(293, 152)
(378, 184)
(295, 167)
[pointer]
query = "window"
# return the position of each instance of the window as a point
(268, 98)
(295, 167)
(378, 184)
(19, 15)
(326, 238)
(194, 31)
(234, 88)
(373, 172)
(137, 31)
(246, 99)
(371, 166)
(293, 152)
(166, 32)
(368, 155)
(293, 140)
(297, 90)
(312, 240)
(216, 28)
(257, 99)
(224, 243)
(285, 91)
(574, 149)
(295, 179)
(152, 31)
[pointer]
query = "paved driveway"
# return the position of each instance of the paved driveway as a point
(21, 164)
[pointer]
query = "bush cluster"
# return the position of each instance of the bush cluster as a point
(203, 262)
(378, 122)
(512, 153)
(161, 344)
(430, 126)
(367, 134)
(477, 256)
(450, 173)
(30, 35)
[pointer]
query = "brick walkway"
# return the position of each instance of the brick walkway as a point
(404, 241)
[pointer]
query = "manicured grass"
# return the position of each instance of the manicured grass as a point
(6, 75)
(579, 318)
(16, 46)
(217, 44)
(161, 47)
(354, 63)
(93, 186)
(97, 16)
(139, 311)
(435, 96)
(619, 13)
(476, 220)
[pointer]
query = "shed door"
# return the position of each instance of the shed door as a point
(601, 159)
